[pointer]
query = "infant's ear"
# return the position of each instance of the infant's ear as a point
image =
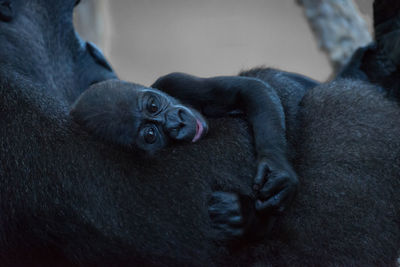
(108, 110)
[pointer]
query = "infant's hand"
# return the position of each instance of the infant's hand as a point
(226, 214)
(275, 185)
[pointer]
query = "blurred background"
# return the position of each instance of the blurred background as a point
(144, 39)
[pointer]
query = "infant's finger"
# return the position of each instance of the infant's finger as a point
(273, 204)
(270, 188)
(236, 220)
(223, 210)
(261, 175)
(227, 232)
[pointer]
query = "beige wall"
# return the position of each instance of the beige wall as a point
(149, 38)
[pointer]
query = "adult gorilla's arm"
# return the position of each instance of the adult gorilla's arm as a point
(275, 181)
(379, 62)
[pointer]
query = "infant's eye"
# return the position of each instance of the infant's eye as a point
(152, 106)
(150, 135)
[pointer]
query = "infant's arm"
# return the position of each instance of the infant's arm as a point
(275, 181)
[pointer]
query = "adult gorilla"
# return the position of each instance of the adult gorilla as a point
(68, 199)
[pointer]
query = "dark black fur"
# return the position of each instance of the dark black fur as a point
(135, 116)
(275, 182)
(66, 198)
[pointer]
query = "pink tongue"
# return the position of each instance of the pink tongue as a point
(199, 131)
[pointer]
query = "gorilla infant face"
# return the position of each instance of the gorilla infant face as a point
(132, 115)
(161, 118)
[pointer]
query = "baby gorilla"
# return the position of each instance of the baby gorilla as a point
(134, 116)
(138, 117)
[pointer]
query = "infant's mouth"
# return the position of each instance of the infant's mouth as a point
(199, 131)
